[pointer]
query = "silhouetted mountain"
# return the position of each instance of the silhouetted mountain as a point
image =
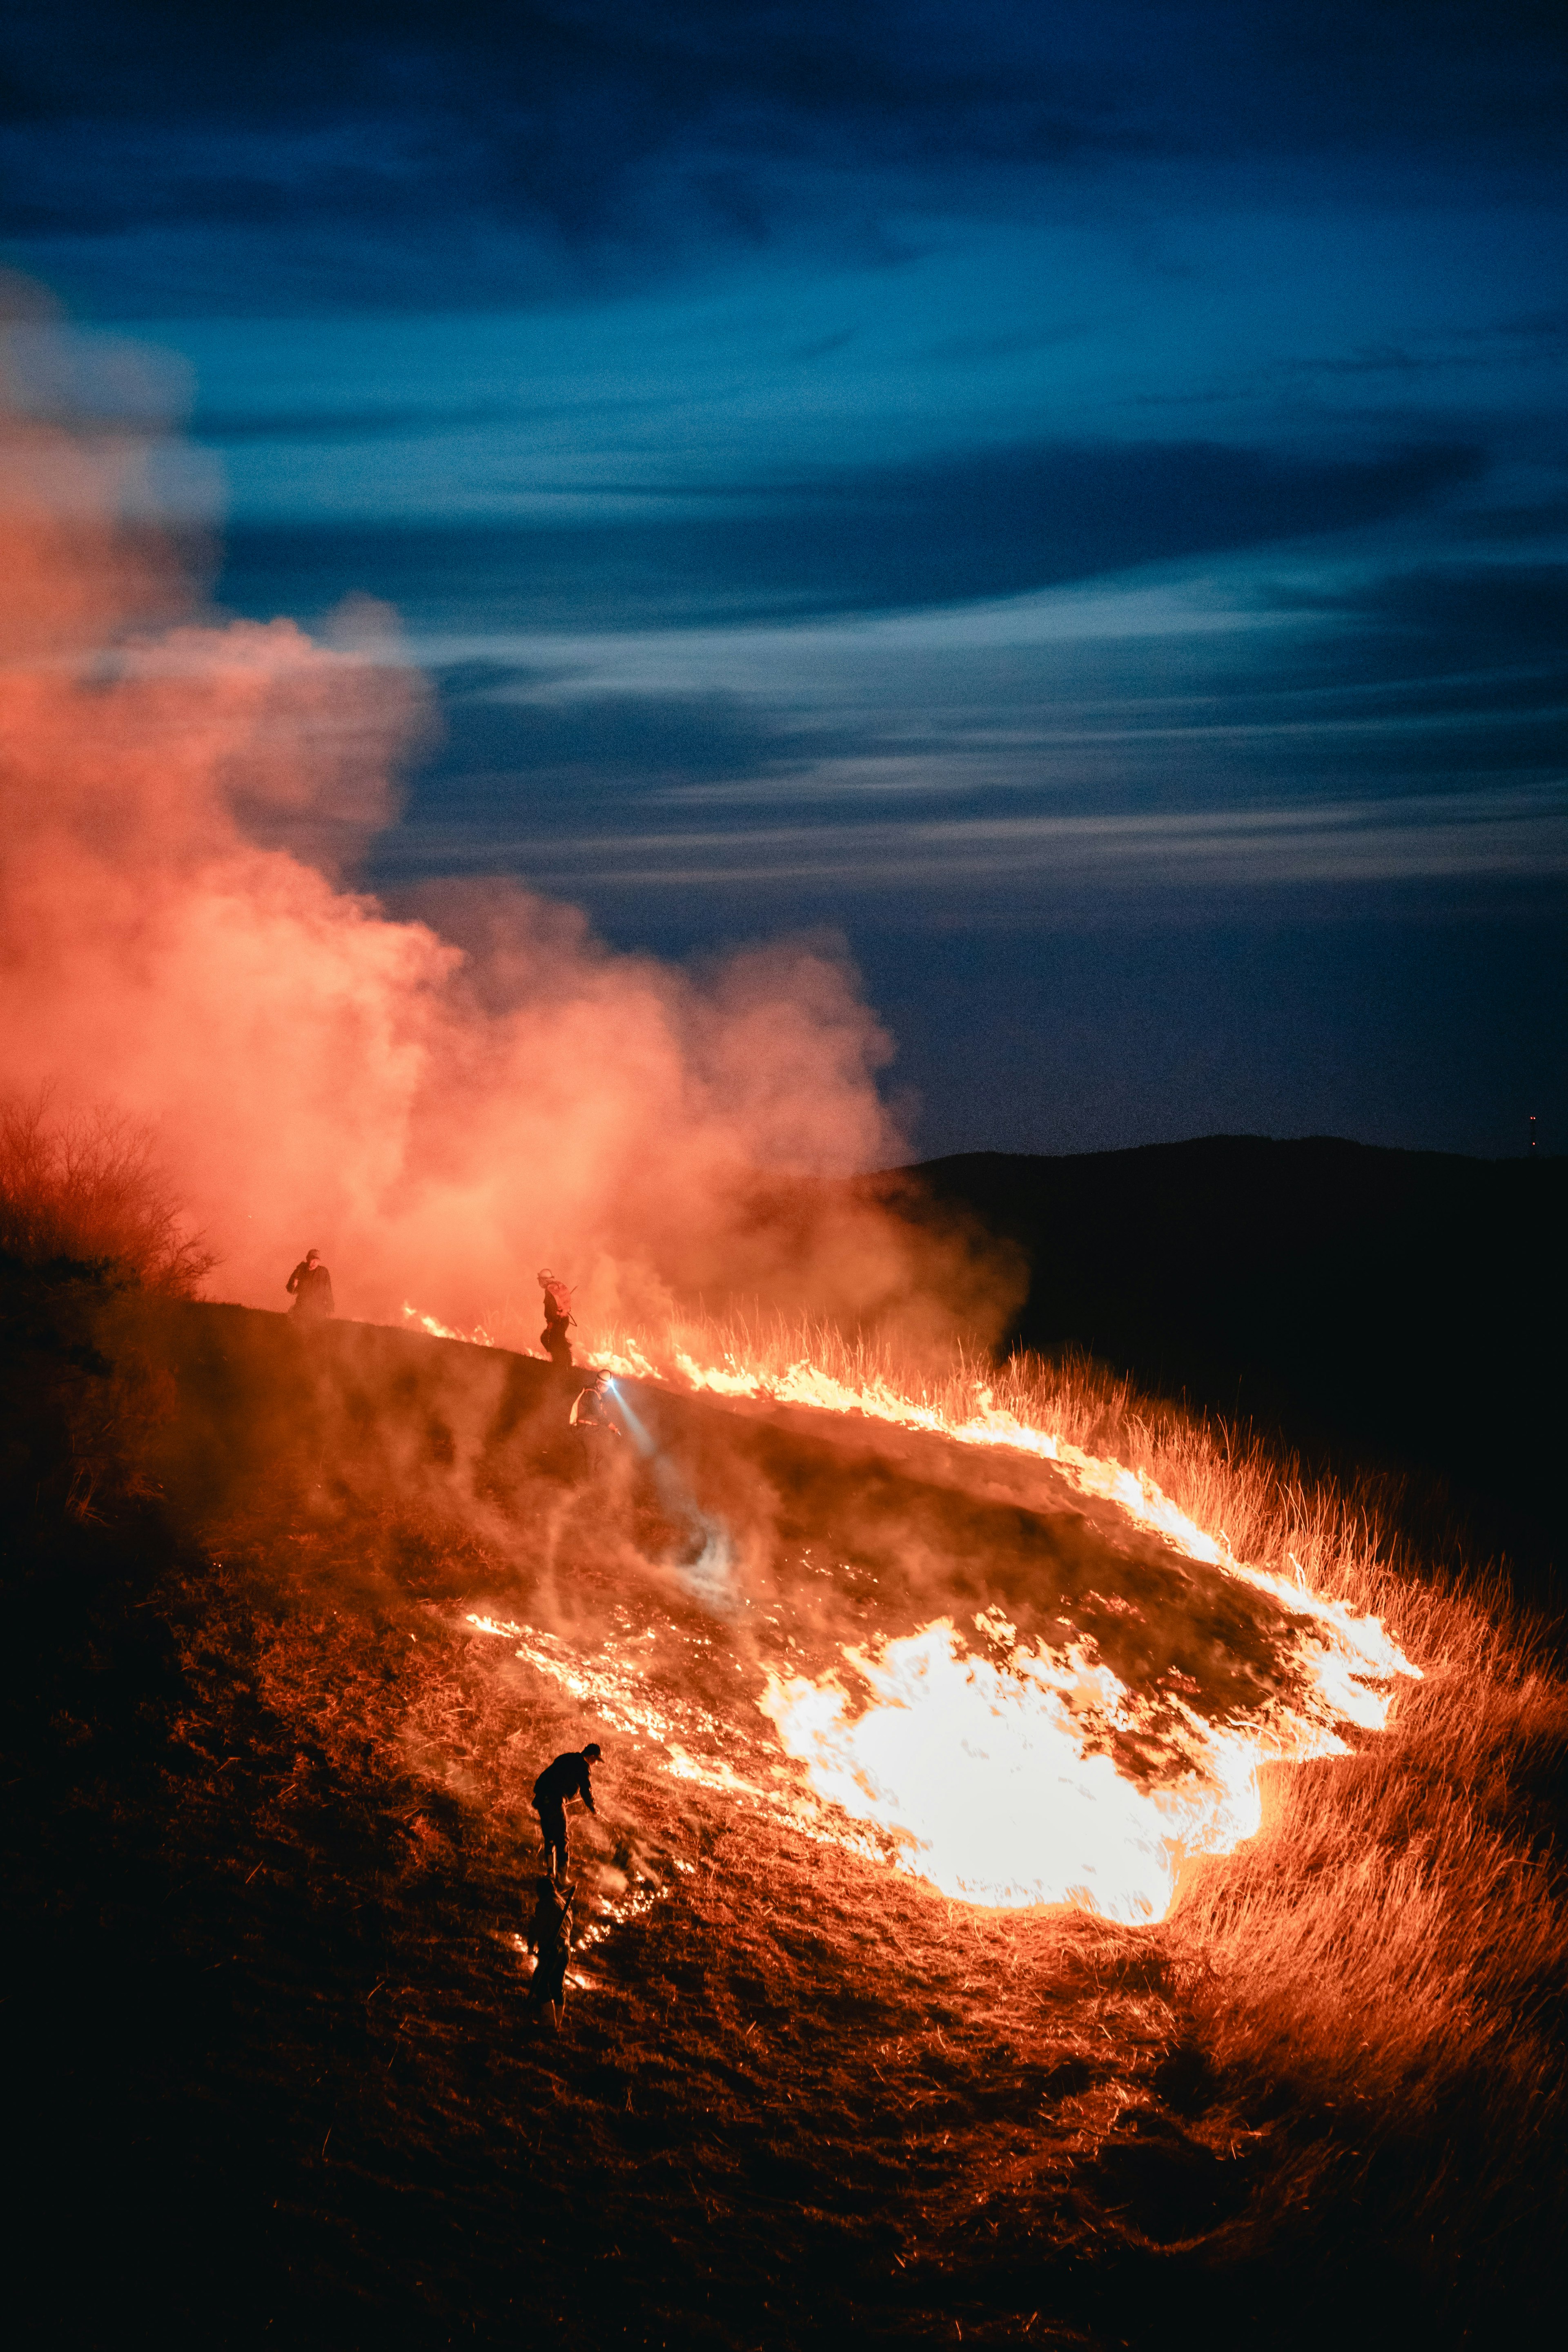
(1396, 1309)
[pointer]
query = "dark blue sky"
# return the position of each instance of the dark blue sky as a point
(1074, 498)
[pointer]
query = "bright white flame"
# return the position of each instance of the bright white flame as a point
(629, 1364)
(989, 1781)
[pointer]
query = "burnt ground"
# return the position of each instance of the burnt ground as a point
(266, 1847)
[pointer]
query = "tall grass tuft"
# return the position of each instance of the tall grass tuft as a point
(1386, 1966)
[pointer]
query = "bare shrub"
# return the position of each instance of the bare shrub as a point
(86, 1186)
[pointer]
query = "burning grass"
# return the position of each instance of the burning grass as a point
(1255, 1502)
(1375, 1983)
(1346, 1541)
(801, 2098)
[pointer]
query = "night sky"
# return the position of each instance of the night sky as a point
(1071, 498)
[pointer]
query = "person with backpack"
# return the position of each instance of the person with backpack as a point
(566, 1778)
(558, 1318)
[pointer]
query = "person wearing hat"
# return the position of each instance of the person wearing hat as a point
(556, 1785)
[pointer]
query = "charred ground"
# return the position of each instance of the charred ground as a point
(267, 1840)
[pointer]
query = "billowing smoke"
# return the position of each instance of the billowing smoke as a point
(439, 1105)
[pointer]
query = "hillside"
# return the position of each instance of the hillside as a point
(278, 1689)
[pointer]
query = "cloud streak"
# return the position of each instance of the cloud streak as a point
(1469, 836)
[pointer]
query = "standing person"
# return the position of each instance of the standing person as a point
(557, 1319)
(550, 1938)
(311, 1286)
(566, 1778)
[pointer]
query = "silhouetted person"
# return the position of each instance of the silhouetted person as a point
(557, 1318)
(550, 1936)
(566, 1778)
(311, 1286)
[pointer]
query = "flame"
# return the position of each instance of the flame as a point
(1359, 1646)
(994, 1783)
(478, 1338)
(995, 1777)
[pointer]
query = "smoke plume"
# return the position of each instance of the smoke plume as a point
(439, 1105)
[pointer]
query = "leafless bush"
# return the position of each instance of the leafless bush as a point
(87, 1187)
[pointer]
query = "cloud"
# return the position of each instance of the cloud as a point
(1465, 610)
(568, 138)
(1059, 744)
(566, 754)
(1507, 833)
(998, 522)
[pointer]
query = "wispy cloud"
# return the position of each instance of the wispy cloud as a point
(1462, 836)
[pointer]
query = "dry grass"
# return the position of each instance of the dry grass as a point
(1379, 1980)
(1227, 1482)
(1369, 1993)
(1389, 1956)
(87, 1188)
(88, 1230)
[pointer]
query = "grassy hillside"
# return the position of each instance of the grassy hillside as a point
(267, 1840)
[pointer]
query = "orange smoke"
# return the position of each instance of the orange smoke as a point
(436, 1105)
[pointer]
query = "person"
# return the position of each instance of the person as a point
(557, 1319)
(311, 1286)
(567, 1777)
(588, 1406)
(550, 1939)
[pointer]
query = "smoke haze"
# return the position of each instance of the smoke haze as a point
(440, 1102)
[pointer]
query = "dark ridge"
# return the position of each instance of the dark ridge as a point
(1394, 1310)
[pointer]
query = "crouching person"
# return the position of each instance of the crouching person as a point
(550, 1939)
(556, 1786)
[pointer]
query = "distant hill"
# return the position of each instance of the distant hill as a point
(1400, 1309)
